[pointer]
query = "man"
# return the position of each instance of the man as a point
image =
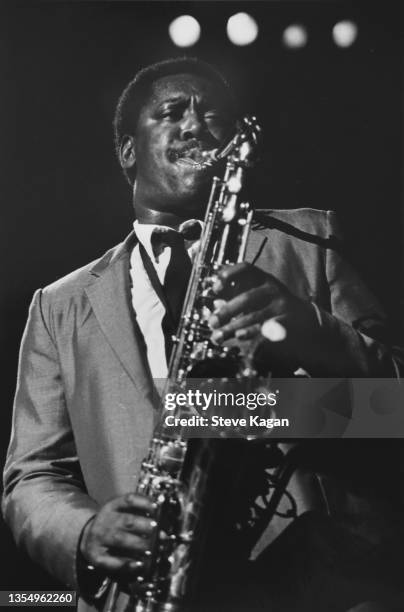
(84, 411)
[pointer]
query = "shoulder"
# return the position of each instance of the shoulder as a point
(307, 224)
(74, 284)
(310, 220)
(65, 301)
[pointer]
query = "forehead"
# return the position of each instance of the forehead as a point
(185, 86)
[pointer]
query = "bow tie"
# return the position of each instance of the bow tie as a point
(189, 231)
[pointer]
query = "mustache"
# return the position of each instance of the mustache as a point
(196, 146)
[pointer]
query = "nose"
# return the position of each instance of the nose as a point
(191, 126)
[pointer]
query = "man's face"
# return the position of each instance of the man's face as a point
(183, 117)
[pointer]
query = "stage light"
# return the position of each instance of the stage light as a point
(242, 29)
(295, 36)
(345, 33)
(184, 31)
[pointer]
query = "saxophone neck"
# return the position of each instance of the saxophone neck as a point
(242, 147)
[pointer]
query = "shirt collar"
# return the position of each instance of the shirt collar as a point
(144, 233)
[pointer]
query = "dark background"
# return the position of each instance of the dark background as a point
(332, 121)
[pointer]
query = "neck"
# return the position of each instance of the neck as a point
(150, 213)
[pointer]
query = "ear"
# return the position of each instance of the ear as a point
(127, 155)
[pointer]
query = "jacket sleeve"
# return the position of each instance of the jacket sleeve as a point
(354, 335)
(45, 501)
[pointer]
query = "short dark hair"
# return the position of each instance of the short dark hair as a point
(137, 91)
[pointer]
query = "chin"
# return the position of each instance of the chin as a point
(194, 186)
(190, 203)
(198, 198)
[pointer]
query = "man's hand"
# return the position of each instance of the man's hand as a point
(249, 297)
(118, 539)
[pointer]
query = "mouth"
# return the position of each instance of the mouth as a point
(194, 157)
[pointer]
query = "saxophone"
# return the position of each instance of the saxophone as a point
(175, 472)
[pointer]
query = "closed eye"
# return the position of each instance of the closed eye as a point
(174, 114)
(216, 118)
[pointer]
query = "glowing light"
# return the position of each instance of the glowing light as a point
(184, 31)
(295, 36)
(345, 33)
(273, 330)
(242, 29)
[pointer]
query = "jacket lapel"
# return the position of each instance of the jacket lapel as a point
(110, 298)
(255, 245)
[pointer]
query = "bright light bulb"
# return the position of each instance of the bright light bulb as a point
(345, 33)
(184, 31)
(273, 330)
(295, 36)
(242, 29)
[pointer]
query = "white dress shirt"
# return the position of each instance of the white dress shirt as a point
(147, 305)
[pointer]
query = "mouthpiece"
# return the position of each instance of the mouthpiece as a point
(210, 157)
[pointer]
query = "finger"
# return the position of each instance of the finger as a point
(252, 300)
(228, 277)
(242, 276)
(122, 565)
(134, 501)
(138, 524)
(123, 543)
(240, 323)
(218, 303)
(247, 333)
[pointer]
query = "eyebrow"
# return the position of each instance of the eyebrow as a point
(183, 99)
(173, 100)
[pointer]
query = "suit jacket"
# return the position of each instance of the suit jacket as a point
(83, 413)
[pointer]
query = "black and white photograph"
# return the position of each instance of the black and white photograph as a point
(202, 305)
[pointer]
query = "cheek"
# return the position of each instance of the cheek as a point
(221, 133)
(149, 159)
(150, 145)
